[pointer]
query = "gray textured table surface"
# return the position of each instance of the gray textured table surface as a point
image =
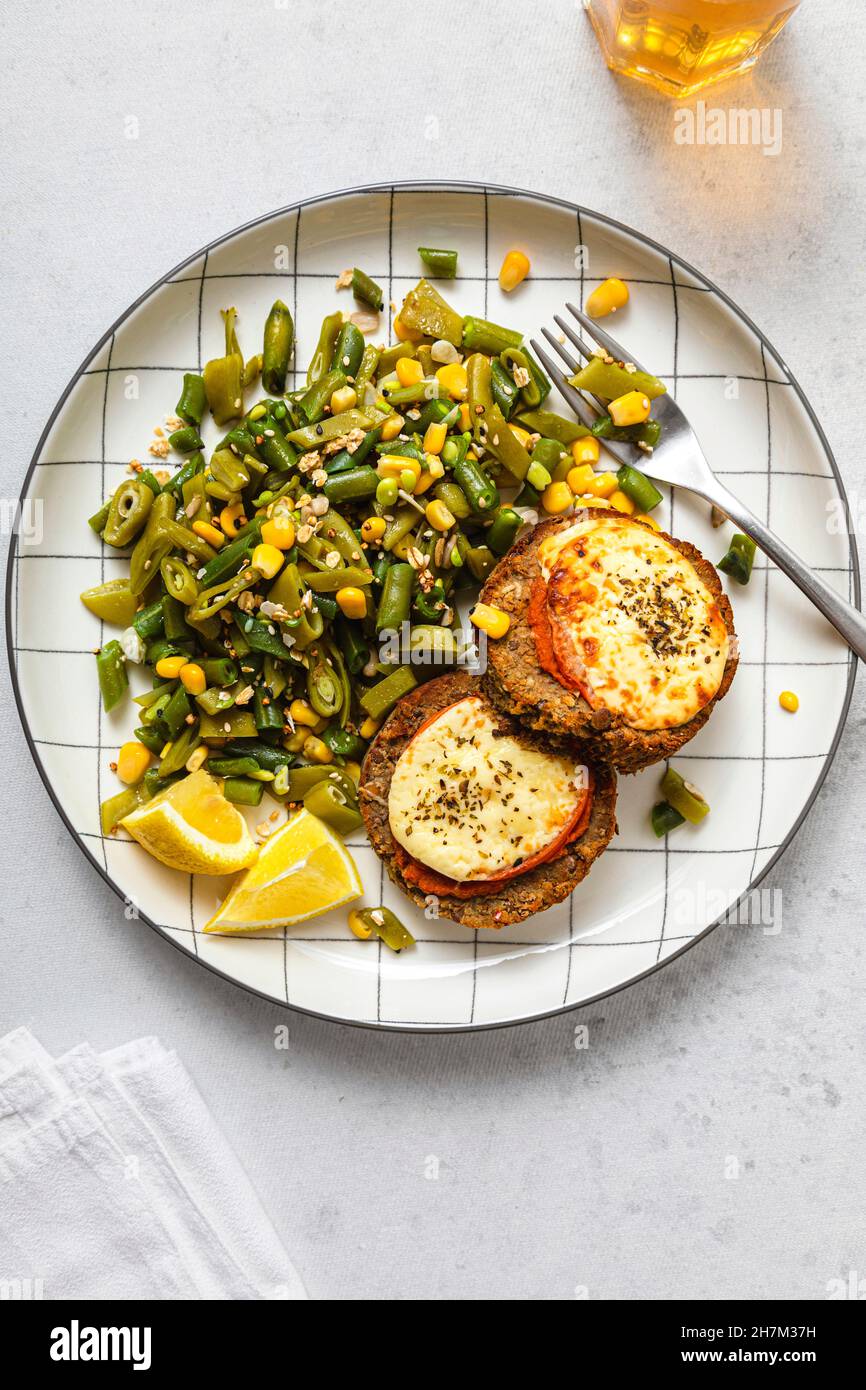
(602, 1169)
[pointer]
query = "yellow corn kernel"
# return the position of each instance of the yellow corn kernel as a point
(647, 520)
(358, 927)
(404, 334)
(279, 532)
(453, 380)
(523, 436)
(788, 700)
(230, 517)
(400, 549)
(295, 742)
(373, 528)
(580, 479)
(490, 620)
(352, 602)
(465, 417)
(208, 533)
(369, 728)
(602, 485)
(409, 371)
(631, 409)
(392, 465)
(197, 758)
(268, 560)
(302, 713)
(431, 474)
(513, 271)
(585, 450)
(590, 501)
(434, 438)
(343, 399)
(557, 498)
(133, 760)
(607, 298)
(193, 678)
(392, 427)
(439, 516)
(621, 502)
(353, 770)
(317, 750)
(170, 667)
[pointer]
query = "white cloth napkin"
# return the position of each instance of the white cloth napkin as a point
(115, 1182)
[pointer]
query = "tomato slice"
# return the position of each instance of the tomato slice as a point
(555, 654)
(429, 881)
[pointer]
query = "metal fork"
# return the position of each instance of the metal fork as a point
(679, 460)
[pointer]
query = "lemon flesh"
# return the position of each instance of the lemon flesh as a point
(192, 827)
(303, 870)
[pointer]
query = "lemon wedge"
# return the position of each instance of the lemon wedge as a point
(304, 869)
(192, 827)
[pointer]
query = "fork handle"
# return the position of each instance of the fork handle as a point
(847, 620)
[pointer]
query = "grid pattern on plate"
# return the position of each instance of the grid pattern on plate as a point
(402, 991)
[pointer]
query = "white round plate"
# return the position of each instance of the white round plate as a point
(760, 768)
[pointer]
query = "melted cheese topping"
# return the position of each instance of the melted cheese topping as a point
(471, 804)
(633, 622)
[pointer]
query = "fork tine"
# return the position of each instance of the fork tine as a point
(578, 403)
(603, 339)
(558, 348)
(569, 332)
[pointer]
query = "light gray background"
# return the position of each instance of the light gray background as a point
(602, 1168)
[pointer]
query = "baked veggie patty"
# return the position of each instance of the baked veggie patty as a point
(520, 666)
(520, 892)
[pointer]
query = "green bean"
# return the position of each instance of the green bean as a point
(215, 597)
(116, 808)
(503, 530)
(307, 623)
(552, 426)
(182, 746)
(441, 264)
(366, 371)
(243, 791)
(480, 492)
(174, 620)
(262, 636)
(301, 779)
(163, 647)
(389, 357)
(149, 622)
(186, 439)
(490, 426)
(98, 520)
(323, 689)
(220, 670)
(227, 468)
(313, 403)
(279, 340)
(313, 436)
(331, 805)
(684, 797)
(113, 602)
(179, 580)
(638, 487)
(664, 818)
(193, 399)
(111, 673)
(274, 676)
(396, 598)
(322, 357)
(343, 461)
(180, 480)
(344, 744)
(454, 498)
(152, 697)
(608, 380)
(340, 536)
(479, 335)
(237, 552)
(348, 350)
(433, 412)
(152, 545)
(432, 645)
(647, 433)
(329, 581)
(404, 520)
(232, 723)
(150, 738)
(351, 642)
(174, 716)
(366, 290)
(234, 767)
(328, 607)
(266, 712)
(269, 758)
(504, 390)
(277, 452)
(425, 311)
(352, 486)
(739, 558)
(127, 515)
(481, 561)
(387, 925)
(224, 376)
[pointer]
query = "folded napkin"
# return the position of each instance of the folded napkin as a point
(115, 1182)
